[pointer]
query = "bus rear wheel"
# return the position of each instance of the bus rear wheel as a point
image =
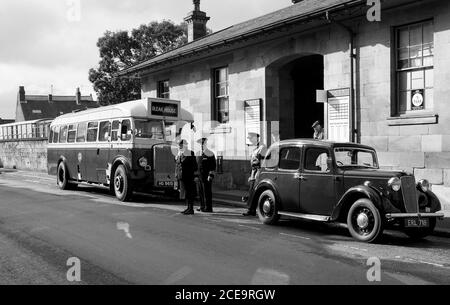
(62, 177)
(122, 186)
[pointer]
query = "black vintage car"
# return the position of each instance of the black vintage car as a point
(342, 182)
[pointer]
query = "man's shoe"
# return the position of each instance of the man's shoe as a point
(249, 213)
(201, 210)
(189, 212)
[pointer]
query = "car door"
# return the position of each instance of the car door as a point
(287, 177)
(316, 182)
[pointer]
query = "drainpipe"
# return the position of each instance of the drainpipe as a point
(353, 118)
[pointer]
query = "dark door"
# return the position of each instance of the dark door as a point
(103, 162)
(287, 178)
(80, 152)
(317, 183)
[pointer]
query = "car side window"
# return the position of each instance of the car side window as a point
(317, 160)
(272, 157)
(290, 158)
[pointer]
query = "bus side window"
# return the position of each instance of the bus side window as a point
(125, 134)
(50, 138)
(105, 131)
(81, 133)
(72, 134)
(56, 134)
(92, 132)
(63, 135)
(115, 131)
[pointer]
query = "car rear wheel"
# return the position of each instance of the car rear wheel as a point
(267, 208)
(364, 221)
(420, 233)
(122, 186)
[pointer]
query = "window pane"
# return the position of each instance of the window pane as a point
(403, 98)
(223, 104)
(290, 158)
(223, 117)
(56, 135)
(126, 130)
(404, 81)
(93, 125)
(105, 131)
(418, 81)
(429, 78)
(429, 99)
(81, 132)
(428, 32)
(403, 38)
(316, 160)
(71, 136)
(63, 135)
(92, 135)
(415, 35)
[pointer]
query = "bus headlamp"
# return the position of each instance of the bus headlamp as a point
(395, 184)
(143, 162)
(424, 185)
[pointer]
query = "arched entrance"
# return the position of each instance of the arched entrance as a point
(291, 85)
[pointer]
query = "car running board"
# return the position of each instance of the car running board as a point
(306, 216)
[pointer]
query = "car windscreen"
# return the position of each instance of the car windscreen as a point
(355, 157)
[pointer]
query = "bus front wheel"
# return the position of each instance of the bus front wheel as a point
(122, 186)
(62, 178)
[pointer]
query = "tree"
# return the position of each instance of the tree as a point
(121, 49)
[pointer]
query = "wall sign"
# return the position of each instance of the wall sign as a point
(339, 115)
(164, 109)
(253, 117)
(417, 100)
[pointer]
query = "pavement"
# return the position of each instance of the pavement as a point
(147, 241)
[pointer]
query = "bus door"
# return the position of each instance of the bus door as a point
(92, 151)
(80, 152)
(103, 159)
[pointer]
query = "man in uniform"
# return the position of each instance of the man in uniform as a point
(318, 131)
(186, 168)
(206, 161)
(255, 160)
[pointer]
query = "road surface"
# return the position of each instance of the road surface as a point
(147, 241)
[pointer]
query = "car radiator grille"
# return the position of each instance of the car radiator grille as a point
(164, 160)
(410, 194)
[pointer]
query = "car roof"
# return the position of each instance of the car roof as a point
(321, 143)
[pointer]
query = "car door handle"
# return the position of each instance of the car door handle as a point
(300, 177)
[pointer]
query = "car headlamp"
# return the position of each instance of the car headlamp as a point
(424, 185)
(143, 162)
(395, 184)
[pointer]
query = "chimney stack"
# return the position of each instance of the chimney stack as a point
(196, 22)
(78, 96)
(50, 98)
(21, 94)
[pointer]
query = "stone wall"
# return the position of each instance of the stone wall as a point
(25, 155)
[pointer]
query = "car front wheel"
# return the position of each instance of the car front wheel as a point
(364, 221)
(267, 208)
(122, 186)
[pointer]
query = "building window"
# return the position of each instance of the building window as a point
(163, 89)
(221, 99)
(414, 67)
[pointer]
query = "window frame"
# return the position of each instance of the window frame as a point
(92, 128)
(84, 126)
(281, 149)
(398, 71)
(160, 90)
(305, 155)
(217, 97)
(109, 131)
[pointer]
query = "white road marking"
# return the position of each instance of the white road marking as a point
(295, 236)
(250, 227)
(269, 277)
(123, 226)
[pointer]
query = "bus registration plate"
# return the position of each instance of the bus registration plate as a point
(165, 183)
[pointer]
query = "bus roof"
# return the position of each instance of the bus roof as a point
(155, 108)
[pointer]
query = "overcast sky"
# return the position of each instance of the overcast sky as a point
(42, 43)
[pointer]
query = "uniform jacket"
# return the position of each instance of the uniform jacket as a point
(206, 161)
(185, 165)
(257, 156)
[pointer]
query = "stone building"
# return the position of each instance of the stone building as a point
(384, 83)
(37, 107)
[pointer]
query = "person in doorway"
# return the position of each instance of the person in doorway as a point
(255, 160)
(318, 131)
(206, 161)
(186, 168)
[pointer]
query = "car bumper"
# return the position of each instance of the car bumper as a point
(415, 215)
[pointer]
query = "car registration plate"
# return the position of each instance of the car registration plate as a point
(417, 222)
(165, 183)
